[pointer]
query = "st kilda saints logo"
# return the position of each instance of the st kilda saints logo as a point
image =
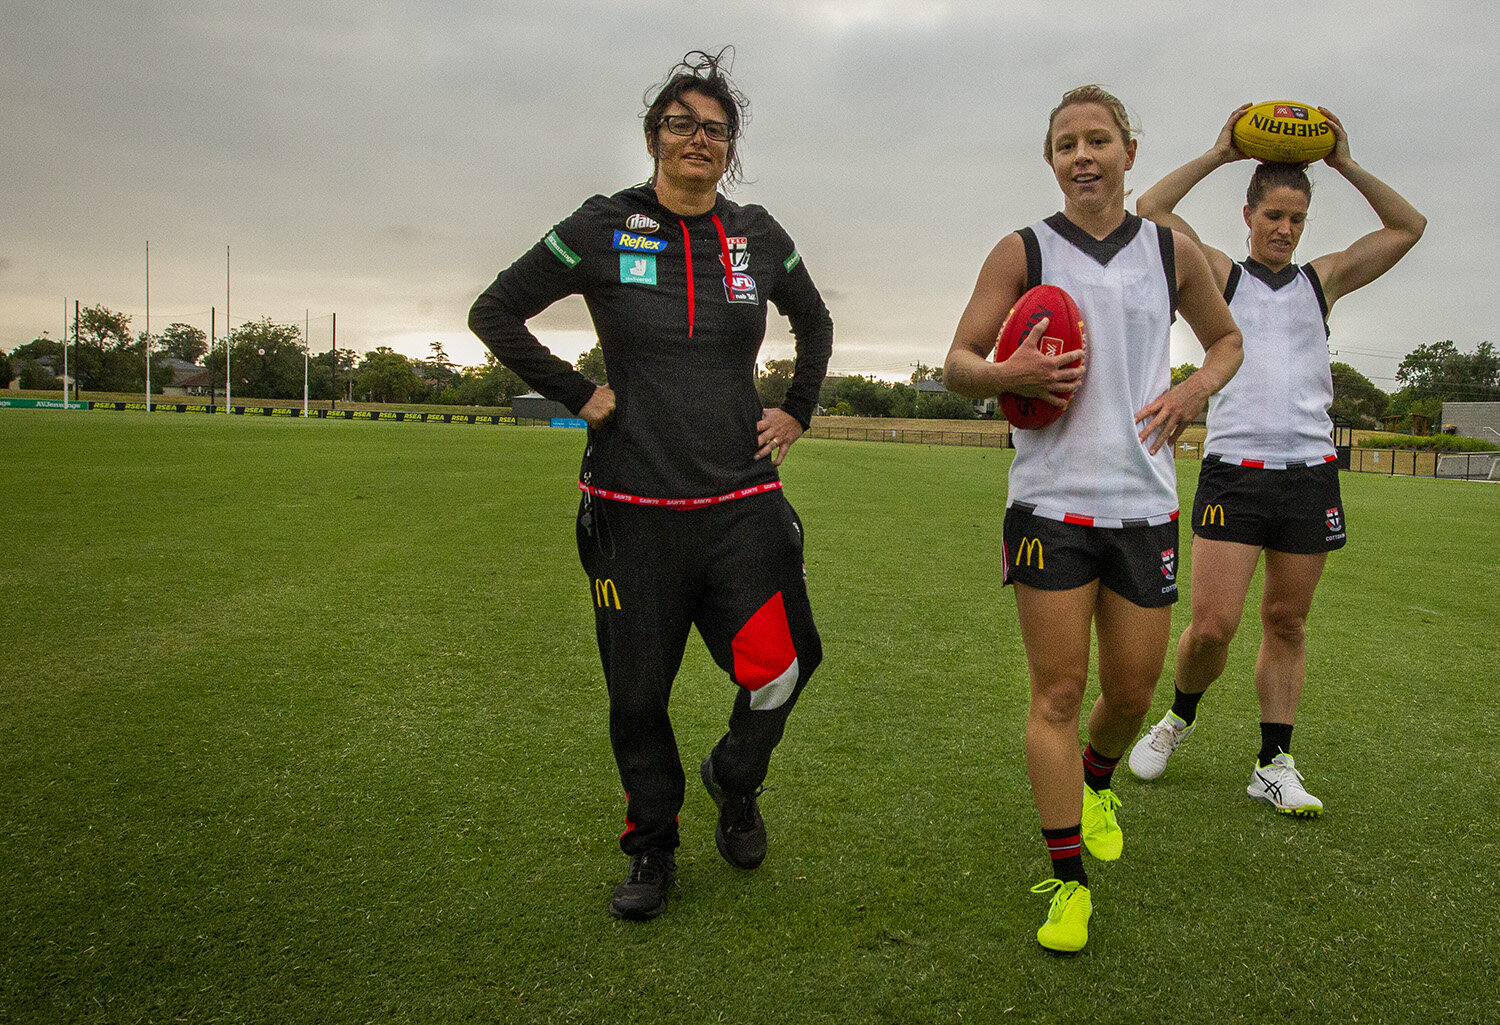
(1335, 519)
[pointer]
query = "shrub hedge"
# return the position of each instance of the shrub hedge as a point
(1428, 443)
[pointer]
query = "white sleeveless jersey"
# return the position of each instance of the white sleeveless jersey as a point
(1089, 466)
(1274, 411)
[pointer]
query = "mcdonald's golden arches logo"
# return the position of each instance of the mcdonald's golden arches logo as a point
(1213, 515)
(605, 593)
(1030, 546)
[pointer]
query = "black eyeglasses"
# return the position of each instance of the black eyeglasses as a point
(687, 126)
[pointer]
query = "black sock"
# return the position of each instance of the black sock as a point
(1098, 770)
(1066, 848)
(1275, 739)
(1185, 706)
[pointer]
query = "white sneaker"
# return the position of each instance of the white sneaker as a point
(1280, 785)
(1148, 759)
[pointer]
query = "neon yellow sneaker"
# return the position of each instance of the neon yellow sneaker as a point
(1101, 829)
(1067, 924)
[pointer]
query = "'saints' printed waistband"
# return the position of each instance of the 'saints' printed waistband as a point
(678, 503)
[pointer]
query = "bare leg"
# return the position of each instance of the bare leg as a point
(1281, 666)
(1132, 650)
(1055, 628)
(1220, 582)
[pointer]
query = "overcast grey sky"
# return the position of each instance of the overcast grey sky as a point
(385, 160)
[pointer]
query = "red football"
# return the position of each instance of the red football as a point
(1065, 333)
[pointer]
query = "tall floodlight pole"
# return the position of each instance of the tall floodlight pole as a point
(148, 326)
(228, 331)
(64, 337)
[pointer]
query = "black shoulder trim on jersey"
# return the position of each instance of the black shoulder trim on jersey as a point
(1101, 249)
(1275, 279)
(1235, 270)
(1033, 257)
(1169, 264)
(1317, 284)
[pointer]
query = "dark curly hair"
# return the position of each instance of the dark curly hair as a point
(707, 74)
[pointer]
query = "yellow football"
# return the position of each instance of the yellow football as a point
(1284, 132)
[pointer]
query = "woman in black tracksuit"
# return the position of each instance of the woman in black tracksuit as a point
(682, 522)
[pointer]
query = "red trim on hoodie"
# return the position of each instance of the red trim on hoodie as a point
(687, 258)
(724, 253)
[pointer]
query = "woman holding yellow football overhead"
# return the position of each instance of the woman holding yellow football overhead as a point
(1092, 497)
(1268, 482)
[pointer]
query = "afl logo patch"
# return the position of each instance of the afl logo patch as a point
(640, 222)
(740, 288)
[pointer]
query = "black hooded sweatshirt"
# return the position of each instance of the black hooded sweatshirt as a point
(679, 305)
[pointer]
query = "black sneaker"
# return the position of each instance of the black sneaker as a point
(642, 894)
(741, 834)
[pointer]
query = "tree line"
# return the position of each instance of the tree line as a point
(1429, 375)
(840, 396)
(267, 362)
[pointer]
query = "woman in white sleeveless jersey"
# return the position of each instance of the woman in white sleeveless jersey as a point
(1091, 509)
(1268, 482)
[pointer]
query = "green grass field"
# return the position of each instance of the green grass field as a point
(303, 722)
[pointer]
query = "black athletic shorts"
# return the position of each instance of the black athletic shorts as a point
(1137, 563)
(1297, 510)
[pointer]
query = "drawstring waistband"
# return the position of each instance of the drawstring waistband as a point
(687, 256)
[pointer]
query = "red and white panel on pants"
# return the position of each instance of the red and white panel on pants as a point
(765, 660)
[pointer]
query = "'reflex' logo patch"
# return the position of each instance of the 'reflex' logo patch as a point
(630, 243)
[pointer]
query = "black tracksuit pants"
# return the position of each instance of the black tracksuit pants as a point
(735, 571)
